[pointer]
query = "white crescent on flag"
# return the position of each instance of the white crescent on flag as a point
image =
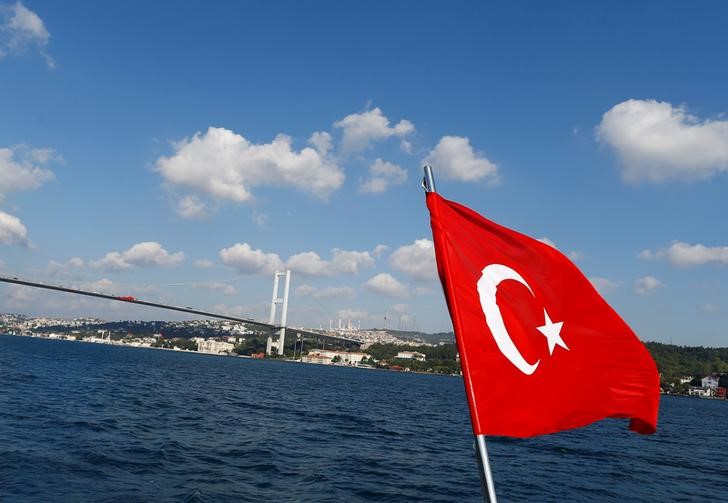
(488, 283)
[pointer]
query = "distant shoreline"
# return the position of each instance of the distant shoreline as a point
(285, 360)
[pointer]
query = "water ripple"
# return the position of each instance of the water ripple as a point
(81, 422)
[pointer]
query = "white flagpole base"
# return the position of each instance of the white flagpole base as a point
(486, 477)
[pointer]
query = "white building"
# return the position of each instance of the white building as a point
(411, 355)
(214, 347)
(709, 382)
(316, 358)
(702, 392)
(327, 356)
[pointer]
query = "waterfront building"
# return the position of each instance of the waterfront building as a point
(709, 382)
(326, 356)
(411, 355)
(214, 347)
(701, 392)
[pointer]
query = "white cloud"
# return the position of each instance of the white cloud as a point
(20, 170)
(360, 130)
(686, 255)
(378, 250)
(647, 284)
(18, 297)
(309, 264)
(604, 285)
(416, 260)
(146, 254)
(191, 207)
(383, 175)
(386, 284)
(321, 141)
(21, 29)
(249, 261)
(204, 263)
(331, 292)
(710, 308)
(342, 262)
(12, 231)
(655, 141)
(454, 158)
(226, 166)
(350, 261)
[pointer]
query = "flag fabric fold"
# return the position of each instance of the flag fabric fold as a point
(541, 351)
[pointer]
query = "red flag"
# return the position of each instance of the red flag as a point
(541, 351)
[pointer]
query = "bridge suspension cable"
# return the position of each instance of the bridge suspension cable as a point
(133, 300)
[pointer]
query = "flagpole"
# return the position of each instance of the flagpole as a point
(486, 477)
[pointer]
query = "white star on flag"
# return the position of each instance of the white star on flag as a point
(552, 333)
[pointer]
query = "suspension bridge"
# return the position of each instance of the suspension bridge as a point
(271, 325)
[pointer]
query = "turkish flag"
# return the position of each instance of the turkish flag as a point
(541, 351)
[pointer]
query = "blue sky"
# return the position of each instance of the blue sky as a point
(183, 151)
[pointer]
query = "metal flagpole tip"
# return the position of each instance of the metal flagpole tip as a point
(428, 182)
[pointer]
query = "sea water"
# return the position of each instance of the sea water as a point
(92, 422)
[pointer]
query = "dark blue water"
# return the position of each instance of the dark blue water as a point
(84, 422)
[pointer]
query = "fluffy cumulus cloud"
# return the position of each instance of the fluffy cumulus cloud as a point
(22, 29)
(416, 260)
(379, 250)
(12, 231)
(453, 157)
(21, 168)
(382, 175)
(223, 165)
(331, 292)
(604, 285)
(191, 207)
(350, 261)
(656, 141)
(146, 254)
(362, 129)
(647, 285)
(308, 263)
(247, 260)
(387, 285)
(686, 255)
(342, 262)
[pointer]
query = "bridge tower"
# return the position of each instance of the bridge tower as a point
(284, 310)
